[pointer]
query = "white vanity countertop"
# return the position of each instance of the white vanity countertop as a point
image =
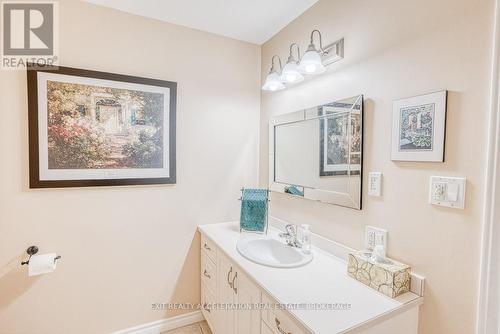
(323, 280)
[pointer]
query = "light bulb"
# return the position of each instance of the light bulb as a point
(273, 82)
(291, 73)
(310, 68)
(311, 62)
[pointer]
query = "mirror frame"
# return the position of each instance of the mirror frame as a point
(325, 196)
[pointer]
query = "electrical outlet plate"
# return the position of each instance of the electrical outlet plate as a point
(375, 184)
(370, 232)
(447, 191)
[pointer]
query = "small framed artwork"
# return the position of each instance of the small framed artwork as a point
(418, 128)
(89, 128)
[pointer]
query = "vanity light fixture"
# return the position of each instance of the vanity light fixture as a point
(273, 79)
(291, 73)
(311, 62)
(314, 61)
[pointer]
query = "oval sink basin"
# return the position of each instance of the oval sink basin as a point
(272, 253)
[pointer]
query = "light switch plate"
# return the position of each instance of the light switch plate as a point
(375, 184)
(447, 191)
(370, 233)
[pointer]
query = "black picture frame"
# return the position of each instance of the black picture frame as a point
(34, 152)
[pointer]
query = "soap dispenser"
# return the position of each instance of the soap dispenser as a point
(305, 238)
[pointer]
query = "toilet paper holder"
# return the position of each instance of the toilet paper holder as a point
(32, 250)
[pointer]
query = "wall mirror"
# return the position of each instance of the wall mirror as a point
(317, 153)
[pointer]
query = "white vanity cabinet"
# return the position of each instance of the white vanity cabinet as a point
(227, 286)
(237, 301)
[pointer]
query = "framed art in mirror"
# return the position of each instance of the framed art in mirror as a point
(340, 152)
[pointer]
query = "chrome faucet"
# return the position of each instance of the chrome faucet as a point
(291, 236)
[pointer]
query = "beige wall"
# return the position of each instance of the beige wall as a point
(393, 49)
(396, 49)
(124, 248)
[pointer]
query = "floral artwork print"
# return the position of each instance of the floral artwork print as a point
(92, 127)
(416, 127)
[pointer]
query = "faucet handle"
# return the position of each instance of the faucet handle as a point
(291, 235)
(291, 229)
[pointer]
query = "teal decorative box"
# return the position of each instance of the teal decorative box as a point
(392, 278)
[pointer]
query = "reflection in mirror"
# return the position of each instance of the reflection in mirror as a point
(317, 153)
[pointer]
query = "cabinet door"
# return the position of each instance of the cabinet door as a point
(248, 296)
(225, 315)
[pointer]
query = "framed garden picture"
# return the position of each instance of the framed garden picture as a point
(89, 128)
(418, 128)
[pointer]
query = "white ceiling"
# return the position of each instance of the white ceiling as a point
(253, 21)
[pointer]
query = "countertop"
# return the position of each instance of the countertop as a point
(324, 280)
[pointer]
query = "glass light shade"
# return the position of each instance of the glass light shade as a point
(291, 73)
(311, 63)
(273, 82)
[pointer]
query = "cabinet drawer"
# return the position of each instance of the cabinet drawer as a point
(208, 273)
(208, 248)
(279, 321)
(207, 301)
(284, 324)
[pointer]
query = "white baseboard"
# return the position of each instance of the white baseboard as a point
(156, 327)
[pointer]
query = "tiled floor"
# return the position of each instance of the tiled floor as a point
(198, 328)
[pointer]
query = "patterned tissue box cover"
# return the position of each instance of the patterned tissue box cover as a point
(392, 279)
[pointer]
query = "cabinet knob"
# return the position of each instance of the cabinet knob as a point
(228, 278)
(281, 330)
(206, 247)
(206, 274)
(206, 309)
(235, 289)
